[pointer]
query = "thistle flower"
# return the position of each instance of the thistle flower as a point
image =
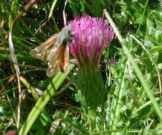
(91, 36)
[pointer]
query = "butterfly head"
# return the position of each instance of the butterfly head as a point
(66, 35)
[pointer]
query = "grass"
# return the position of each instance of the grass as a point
(31, 103)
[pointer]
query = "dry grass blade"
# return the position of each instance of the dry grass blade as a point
(17, 70)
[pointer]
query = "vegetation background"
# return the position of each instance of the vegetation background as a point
(133, 79)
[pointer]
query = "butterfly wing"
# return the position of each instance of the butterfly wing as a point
(41, 52)
(55, 51)
(65, 58)
(57, 59)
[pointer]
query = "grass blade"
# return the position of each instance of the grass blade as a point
(42, 101)
(135, 66)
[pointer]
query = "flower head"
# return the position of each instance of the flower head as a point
(90, 36)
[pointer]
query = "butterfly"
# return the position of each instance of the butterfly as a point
(55, 51)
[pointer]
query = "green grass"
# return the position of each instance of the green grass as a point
(133, 82)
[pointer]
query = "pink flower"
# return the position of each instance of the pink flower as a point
(90, 36)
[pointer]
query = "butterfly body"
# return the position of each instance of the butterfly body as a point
(55, 51)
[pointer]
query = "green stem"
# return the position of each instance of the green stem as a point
(92, 117)
(118, 104)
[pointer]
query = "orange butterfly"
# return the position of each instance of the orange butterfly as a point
(55, 51)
